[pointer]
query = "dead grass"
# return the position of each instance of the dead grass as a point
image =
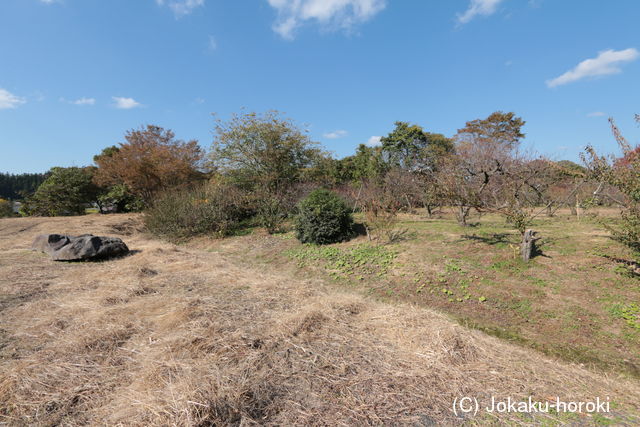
(178, 335)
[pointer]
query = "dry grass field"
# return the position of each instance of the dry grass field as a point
(259, 329)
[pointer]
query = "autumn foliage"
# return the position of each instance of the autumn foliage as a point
(151, 160)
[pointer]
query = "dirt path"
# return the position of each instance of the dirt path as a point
(179, 335)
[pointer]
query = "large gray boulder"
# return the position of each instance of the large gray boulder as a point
(71, 248)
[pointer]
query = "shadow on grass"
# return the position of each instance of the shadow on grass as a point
(104, 258)
(570, 353)
(493, 239)
(628, 267)
(537, 250)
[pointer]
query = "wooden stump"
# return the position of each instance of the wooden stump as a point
(528, 247)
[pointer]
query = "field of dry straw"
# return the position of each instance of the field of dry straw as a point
(179, 335)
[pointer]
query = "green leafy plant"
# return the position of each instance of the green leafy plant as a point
(360, 260)
(630, 313)
(323, 218)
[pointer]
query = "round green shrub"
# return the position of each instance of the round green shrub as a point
(323, 217)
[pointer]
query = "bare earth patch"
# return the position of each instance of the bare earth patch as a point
(181, 335)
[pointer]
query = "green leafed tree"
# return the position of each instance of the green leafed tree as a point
(67, 191)
(411, 147)
(267, 149)
(266, 154)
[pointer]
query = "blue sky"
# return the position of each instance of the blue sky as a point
(76, 74)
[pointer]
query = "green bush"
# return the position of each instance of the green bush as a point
(211, 209)
(66, 191)
(6, 208)
(323, 218)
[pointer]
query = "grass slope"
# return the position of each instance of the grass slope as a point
(234, 332)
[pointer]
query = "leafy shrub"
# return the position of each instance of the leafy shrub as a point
(210, 209)
(119, 198)
(6, 209)
(66, 191)
(271, 213)
(323, 218)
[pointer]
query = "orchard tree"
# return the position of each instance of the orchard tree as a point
(484, 149)
(412, 155)
(623, 174)
(151, 160)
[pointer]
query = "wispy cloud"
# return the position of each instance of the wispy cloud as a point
(335, 14)
(80, 101)
(10, 101)
(596, 114)
(125, 103)
(181, 8)
(374, 141)
(478, 8)
(607, 62)
(336, 134)
(212, 45)
(49, 1)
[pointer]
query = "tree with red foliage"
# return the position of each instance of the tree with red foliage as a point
(150, 160)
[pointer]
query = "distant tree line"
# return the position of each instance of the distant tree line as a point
(18, 186)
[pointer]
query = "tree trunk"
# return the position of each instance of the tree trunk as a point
(463, 212)
(528, 247)
(429, 210)
(549, 211)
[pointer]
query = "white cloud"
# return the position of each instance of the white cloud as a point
(604, 64)
(181, 8)
(479, 8)
(9, 101)
(84, 101)
(48, 1)
(213, 44)
(337, 14)
(125, 103)
(596, 114)
(374, 141)
(335, 134)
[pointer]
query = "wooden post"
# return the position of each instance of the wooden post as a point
(528, 245)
